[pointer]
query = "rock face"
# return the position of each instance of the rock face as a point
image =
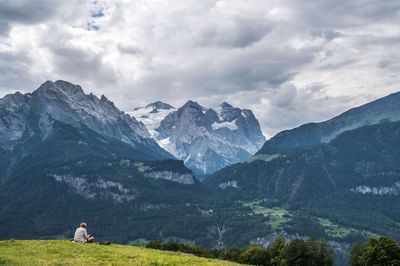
(100, 189)
(206, 139)
(186, 179)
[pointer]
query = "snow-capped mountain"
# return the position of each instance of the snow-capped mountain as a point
(26, 120)
(206, 139)
(152, 115)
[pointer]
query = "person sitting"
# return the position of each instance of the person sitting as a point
(81, 235)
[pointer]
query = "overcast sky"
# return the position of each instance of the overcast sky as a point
(291, 62)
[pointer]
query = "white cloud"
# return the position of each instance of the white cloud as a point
(290, 61)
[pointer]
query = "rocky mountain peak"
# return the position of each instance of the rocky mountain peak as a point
(225, 105)
(158, 105)
(60, 86)
(204, 138)
(103, 98)
(67, 103)
(192, 105)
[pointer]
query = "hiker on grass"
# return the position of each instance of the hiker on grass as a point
(81, 235)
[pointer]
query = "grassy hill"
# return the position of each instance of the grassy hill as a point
(57, 252)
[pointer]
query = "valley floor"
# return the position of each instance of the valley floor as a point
(57, 252)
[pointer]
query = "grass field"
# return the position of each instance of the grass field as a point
(64, 252)
(335, 230)
(277, 216)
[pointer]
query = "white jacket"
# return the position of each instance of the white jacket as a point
(81, 235)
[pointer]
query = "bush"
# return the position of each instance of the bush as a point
(154, 244)
(376, 251)
(198, 251)
(255, 255)
(233, 254)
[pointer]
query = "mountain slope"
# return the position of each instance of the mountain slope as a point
(352, 182)
(345, 189)
(205, 139)
(382, 110)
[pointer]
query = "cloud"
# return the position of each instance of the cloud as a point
(284, 97)
(290, 61)
(4, 28)
(27, 11)
(239, 32)
(329, 35)
(128, 49)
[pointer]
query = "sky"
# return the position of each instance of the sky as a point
(290, 62)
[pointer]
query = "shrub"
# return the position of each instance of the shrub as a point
(376, 251)
(255, 255)
(154, 244)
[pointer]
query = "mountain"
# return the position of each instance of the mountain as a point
(206, 139)
(338, 179)
(31, 118)
(382, 110)
(66, 156)
(151, 115)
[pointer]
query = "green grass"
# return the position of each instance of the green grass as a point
(277, 216)
(335, 230)
(63, 252)
(142, 167)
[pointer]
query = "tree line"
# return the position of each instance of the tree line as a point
(375, 251)
(296, 252)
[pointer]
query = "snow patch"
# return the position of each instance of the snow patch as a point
(152, 120)
(230, 125)
(232, 183)
(164, 142)
(218, 110)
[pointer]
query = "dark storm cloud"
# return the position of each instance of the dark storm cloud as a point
(27, 11)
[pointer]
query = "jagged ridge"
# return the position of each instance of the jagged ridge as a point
(206, 139)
